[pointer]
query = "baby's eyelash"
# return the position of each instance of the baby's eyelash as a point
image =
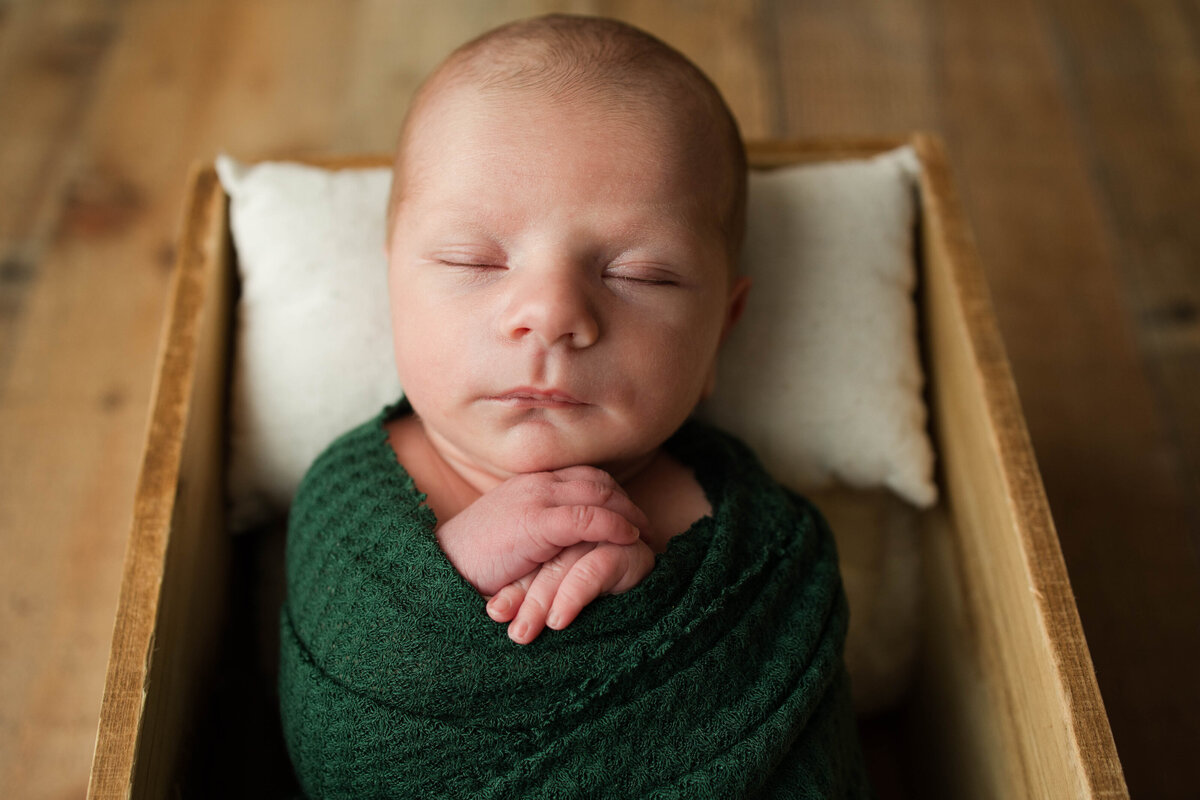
(470, 264)
(646, 281)
(642, 280)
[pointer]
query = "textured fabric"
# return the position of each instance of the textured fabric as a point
(718, 676)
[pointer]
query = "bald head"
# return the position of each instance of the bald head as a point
(603, 66)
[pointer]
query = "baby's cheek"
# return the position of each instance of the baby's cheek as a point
(416, 335)
(416, 368)
(419, 373)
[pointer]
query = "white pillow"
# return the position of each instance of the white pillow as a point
(313, 355)
(821, 376)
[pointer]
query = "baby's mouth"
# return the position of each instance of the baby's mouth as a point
(530, 397)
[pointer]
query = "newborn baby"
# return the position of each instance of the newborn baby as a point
(566, 212)
(562, 271)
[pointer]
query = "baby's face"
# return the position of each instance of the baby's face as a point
(559, 284)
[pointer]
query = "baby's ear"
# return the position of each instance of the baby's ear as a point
(736, 304)
(733, 312)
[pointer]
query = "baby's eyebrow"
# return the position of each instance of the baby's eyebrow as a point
(460, 220)
(671, 229)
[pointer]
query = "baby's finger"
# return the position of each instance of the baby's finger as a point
(606, 569)
(503, 605)
(531, 617)
(639, 563)
(563, 526)
(605, 495)
(582, 472)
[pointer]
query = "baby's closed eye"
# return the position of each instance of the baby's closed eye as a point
(469, 267)
(642, 274)
(478, 256)
(469, 262)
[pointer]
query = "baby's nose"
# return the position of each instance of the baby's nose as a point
(553, 308)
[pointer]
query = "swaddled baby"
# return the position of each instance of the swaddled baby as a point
(566, 212)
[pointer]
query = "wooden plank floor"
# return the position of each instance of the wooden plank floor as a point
(1073, 127)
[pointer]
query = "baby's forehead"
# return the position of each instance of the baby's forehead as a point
(661, 104)
(533, 145)
(663, 130)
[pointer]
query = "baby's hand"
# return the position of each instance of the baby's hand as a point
(554, 593)
(529, 519)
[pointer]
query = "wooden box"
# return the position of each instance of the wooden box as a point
(1005, 703)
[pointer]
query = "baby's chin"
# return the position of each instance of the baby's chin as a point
(621, 464)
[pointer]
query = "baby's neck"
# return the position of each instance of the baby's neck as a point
(658, 484)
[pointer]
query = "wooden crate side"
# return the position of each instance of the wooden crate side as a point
(168, 613)
(1047, 716)
(962, 741)
(771, 153)
(761, 153)
(192, 609)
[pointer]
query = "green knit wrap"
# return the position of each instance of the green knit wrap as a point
(719, 676)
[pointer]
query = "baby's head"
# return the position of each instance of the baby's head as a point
(568, 61)
(568, 202)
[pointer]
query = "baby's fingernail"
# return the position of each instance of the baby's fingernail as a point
(519, 630)
(552, 619)
(498, 605)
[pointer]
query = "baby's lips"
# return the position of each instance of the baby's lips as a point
(538, 396)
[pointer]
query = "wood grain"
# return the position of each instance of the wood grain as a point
(49, 55)
(1130, 77)
(1100, 434)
